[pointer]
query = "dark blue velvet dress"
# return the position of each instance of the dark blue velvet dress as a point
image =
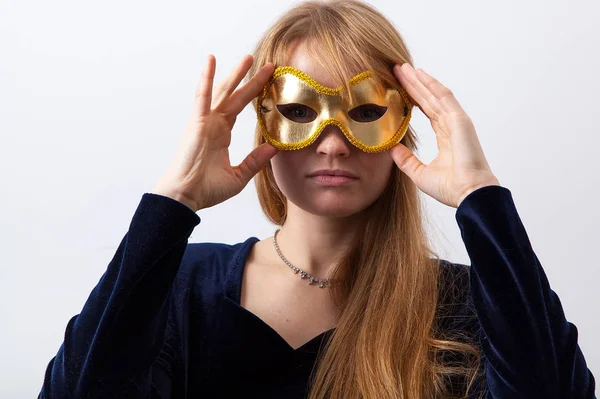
(165, 319)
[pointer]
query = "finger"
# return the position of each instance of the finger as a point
(408, 79)
(228, 85)
(203, 97)
(407, 162)
(250, 90)
(428, 97)
(396, 70)
(255, 161)
(410, 88)
(444, 95)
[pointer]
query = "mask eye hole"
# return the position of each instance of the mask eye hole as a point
(367, 112)
(297, 112)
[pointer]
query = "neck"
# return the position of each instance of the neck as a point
(314, 243)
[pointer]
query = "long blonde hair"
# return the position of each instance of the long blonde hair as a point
(387, 342)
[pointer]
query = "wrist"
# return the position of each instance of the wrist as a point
(177, 196)
(491, 182)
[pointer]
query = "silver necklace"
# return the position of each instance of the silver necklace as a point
(322, 283)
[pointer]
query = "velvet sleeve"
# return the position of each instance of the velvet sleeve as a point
(529, 348)
(110, 346)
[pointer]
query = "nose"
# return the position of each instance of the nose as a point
(332, 142)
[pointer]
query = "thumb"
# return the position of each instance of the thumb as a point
(255, 161)
(407, 161)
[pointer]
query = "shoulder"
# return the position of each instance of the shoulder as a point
(453, 283)
(208, 266)
(202, 252)
(455, 311)
(454, 278)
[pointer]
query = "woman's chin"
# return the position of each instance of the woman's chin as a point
(331, 204)
(335, 209)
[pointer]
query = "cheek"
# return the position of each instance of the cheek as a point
(378, 168)
(287, 166)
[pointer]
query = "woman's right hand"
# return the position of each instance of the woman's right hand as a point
(200, 175)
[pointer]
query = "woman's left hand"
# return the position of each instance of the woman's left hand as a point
(460, 166)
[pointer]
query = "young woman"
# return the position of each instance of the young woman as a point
(346, 300)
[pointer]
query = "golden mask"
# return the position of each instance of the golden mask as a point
(293, 110)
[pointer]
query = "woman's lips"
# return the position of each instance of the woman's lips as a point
(332, 180)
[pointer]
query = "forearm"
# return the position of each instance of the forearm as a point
(120, 330)
(529, 345)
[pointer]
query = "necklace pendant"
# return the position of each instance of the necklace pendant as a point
(303, 275)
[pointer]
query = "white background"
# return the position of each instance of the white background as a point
(94, 98)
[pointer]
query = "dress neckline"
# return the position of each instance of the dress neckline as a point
(233, 292)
